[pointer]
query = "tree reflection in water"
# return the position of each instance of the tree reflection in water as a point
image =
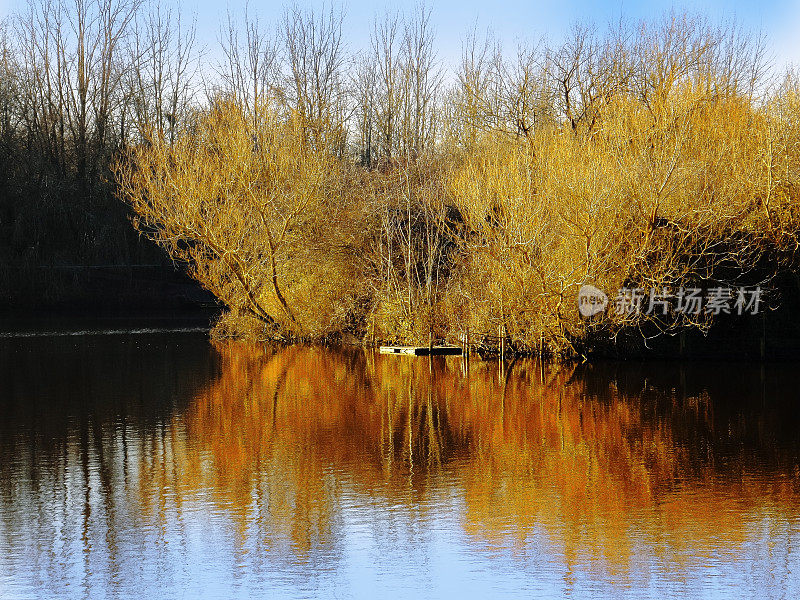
(173, 469)
(599, 457)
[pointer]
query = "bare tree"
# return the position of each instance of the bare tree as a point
(9, 89)
(315, 88)
(365, 88)
(75, 73)
(420, 82)
(387, 66)
(161, 84)
(249, 72)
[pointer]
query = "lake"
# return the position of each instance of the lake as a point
(160, 465)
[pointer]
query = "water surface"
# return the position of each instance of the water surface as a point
(162, 466)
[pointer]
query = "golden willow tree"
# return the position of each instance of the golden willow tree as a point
(257, 213)
(388, 207)
(654, 165)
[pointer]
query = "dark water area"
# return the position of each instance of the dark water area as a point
(108, 321)
(161, 465)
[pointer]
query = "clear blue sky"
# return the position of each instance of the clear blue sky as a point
(511, 20)
(515, 19)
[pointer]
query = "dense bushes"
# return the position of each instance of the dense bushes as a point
(649, 161)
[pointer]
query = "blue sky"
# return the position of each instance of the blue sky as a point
(512, 20)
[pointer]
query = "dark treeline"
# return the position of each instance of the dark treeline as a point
(78, 82)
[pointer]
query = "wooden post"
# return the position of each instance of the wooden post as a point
(501, 350)
(501, 340)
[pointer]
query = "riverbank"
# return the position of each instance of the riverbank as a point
(73, 322)
(167, 300)
(771, 335)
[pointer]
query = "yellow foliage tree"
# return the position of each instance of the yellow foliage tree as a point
(256, 212)
(690, 182)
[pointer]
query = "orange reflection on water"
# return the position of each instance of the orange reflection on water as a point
(284, 437)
